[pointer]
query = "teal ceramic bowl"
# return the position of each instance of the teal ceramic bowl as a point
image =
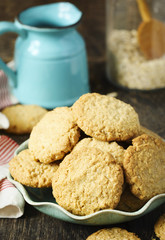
(43, 201)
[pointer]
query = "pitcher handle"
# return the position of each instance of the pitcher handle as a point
(10, 27)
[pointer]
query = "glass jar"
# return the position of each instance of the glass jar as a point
(127, 65)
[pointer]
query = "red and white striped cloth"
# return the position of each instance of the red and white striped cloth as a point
(11, 200)
(6, 97)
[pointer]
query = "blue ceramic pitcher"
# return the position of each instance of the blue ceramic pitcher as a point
(50, 56)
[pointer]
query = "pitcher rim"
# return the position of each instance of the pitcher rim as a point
(26, 26)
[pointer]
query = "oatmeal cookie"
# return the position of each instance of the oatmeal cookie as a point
(160, 227)
(144, 165)
(24, 169)
(87, 181)
(111, 147)
(113, 234)
(54, 136)
(23, 118)
(105, 118)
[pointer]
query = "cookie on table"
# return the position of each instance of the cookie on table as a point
(24, 169)
(128, 202)
(111, 147)
(54, 136)
(23, 118)
(144, 166)
(113, 234)
(87, 181)
(160, 227)
(105, 118)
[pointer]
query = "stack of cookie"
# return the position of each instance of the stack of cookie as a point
(98, 156)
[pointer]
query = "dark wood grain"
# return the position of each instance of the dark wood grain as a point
(149, 105)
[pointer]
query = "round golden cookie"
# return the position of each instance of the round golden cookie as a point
(105, 118)
(160, 227)
(24, 169)
(23, 118)
(54, 136)
(144, 166)
(87, 181)
(111, 147)
(113, 234)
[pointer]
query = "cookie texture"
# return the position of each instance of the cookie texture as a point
(111, 147)
(87, 181)
(144, 165)
(160, 227)
(105, 118)
(24, 169)
(54, 136)
(144, 130)
(128, 202)
(113, 234)
(23, 118)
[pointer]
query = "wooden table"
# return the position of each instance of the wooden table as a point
(149, 105)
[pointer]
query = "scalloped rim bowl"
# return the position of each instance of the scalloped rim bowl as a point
(47, 205)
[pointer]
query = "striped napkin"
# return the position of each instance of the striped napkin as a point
(6, 97)
(11, 200)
